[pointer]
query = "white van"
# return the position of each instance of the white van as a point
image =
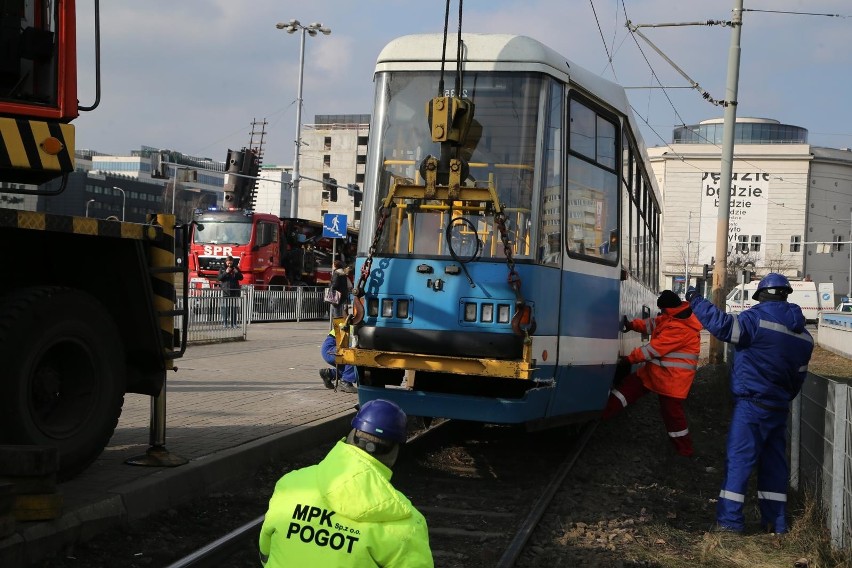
(805, 294)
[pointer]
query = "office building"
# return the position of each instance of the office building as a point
(790, 203)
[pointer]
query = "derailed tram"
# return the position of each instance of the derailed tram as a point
(509, 222)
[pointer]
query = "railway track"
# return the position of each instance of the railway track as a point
(482, 489)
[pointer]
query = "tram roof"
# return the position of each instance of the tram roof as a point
(497, 52)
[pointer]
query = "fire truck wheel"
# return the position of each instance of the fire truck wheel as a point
(63, 373)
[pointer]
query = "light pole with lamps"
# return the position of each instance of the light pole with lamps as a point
(123, 200)
(312, 30)
(89, 202)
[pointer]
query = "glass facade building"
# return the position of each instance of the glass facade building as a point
(746, 131)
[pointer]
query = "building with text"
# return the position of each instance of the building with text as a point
(790, 203)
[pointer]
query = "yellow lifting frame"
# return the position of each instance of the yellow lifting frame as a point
(497, 368)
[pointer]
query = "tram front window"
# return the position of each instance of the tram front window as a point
(500, 149)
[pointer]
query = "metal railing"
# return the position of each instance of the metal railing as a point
(215, 317)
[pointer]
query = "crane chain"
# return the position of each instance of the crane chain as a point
(358, 291)
(514, 281)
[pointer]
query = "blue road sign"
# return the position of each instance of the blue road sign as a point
(334, 225)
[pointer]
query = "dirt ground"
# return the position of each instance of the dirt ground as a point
(630, 502)
(656, 509)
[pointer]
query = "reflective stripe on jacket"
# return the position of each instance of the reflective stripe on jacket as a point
(343, 511)
(772, 348)
(671, 356)
(645, 326)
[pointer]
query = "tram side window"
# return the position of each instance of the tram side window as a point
(592, 229)
(628, 226)
(550, 231)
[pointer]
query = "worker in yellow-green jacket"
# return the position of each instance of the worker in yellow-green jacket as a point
(344, 511)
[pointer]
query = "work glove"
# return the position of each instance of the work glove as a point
(691, 292)
(625, 325)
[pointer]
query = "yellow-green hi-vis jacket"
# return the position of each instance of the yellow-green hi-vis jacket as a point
(343, 512)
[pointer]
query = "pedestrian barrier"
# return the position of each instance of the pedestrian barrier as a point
(214, 317)
(835, 332)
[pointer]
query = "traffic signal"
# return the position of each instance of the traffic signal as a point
(356, 194)
(234, 185)
(332, 188)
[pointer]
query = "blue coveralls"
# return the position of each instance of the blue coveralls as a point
(772, 351)
(328, 349)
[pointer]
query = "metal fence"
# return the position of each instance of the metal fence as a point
(215, 317)
(821, 451)
(821, 434)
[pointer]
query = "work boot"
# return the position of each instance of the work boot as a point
(347, 387)
(327, 378)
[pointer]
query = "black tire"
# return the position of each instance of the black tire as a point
(63, 380)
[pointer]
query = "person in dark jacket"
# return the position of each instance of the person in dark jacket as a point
(330, 375)
(670, 360)
(772, 349)
(340, 283)
(229, 280)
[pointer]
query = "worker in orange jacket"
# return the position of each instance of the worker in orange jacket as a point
(668, 364)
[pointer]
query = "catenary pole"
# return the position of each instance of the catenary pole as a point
(688, 245)
(722, 225)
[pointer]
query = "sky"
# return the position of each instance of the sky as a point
(194, 75)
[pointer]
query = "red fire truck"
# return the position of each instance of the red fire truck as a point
(271, 251)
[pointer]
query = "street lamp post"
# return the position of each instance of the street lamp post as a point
(312, 30)
(89, 202)
(123, 200)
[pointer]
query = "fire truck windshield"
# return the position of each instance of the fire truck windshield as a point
(223, 232)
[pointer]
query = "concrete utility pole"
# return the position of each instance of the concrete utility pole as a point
(688, 246)
(722, 226)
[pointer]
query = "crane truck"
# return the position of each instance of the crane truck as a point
(72, 343)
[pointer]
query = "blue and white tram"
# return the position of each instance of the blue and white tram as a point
(505, 232)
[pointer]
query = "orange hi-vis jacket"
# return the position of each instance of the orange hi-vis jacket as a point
(671, 357)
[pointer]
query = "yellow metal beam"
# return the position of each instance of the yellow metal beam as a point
(497, 368)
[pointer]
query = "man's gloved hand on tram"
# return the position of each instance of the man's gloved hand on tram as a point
(691, 292)
(625, 325)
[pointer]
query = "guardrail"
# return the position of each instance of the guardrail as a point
(214, 317)
(835, 332)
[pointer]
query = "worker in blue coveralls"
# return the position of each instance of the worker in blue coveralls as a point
(348, 377)
(772, 349)
(344, 511)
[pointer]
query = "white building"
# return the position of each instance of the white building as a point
(790, 206)
(333, 148)
(273, 191)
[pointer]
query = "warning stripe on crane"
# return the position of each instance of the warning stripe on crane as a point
(24, 146)
(78, 225)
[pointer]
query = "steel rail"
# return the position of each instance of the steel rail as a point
(513, 551)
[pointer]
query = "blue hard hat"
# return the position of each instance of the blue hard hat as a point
(773, 280)
(382, 418)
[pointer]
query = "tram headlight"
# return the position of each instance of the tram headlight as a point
(402, 309)
(503, 313)
(487, 313)
(470, 311)
(373, 307)
(387, 308)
